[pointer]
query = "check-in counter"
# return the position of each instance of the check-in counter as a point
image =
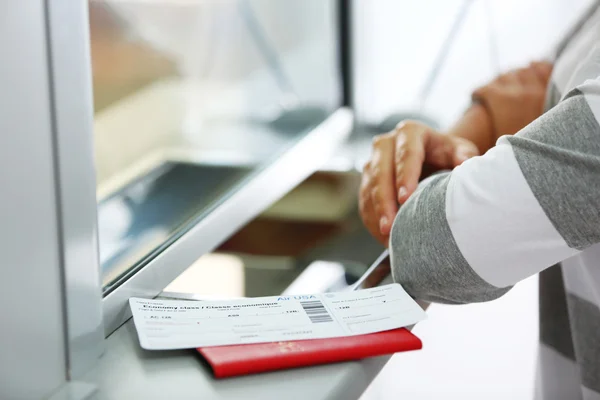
(128, 371)
(228, 177)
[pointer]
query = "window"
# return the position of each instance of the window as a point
(192, 100)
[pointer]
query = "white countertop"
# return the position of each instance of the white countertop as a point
(126, 371)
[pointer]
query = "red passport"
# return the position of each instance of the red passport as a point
(244, 359)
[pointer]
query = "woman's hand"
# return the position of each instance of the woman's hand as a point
(392, 174)
(516, 98)
(504, 106)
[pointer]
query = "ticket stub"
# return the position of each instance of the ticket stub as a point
(175, 324)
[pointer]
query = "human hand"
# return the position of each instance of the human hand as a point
(516, 98)
(396, 163)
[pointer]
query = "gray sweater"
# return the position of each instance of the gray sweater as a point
(529, 205)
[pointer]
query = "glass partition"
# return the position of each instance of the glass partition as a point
(192, 98)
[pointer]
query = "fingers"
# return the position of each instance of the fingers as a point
(529, 77)
(396, 164)
(480, 94)
(509, 78)
(392, 174)
(409, 158)
(366, 209)
(381, 189)
(463, 150)
(543, 70)
(516, 98)
(537, 73)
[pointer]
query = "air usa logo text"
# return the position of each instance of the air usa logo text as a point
(302, 297)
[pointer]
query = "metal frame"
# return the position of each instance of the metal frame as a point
(70, 89)
(345, 32)
(52, 325)
(261, 191)
(69, 67)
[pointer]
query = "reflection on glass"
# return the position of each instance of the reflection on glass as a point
(328, 275)
(244, 275)
(379, 274)
(192, 97)
(227, 277)
(145, 214)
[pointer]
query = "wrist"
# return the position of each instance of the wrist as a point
(482, 120)
(475, 125)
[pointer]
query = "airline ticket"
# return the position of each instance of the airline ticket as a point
(180, 324)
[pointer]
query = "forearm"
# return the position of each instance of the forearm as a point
(527, 204)
(476, 126)
(504, 106)
(426, 260)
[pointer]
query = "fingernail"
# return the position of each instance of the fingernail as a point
(402, 192)
(383, 224)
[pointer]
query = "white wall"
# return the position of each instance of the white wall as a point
(398, 40)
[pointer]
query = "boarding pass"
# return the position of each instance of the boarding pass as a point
(176, 324)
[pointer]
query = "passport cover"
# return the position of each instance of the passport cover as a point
(244, 359)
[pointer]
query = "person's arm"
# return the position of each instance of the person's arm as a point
(528, 203)
(413, 150)
(410, 153)
(515, 98)
(504, 106)
(470, 136)
(475, 126)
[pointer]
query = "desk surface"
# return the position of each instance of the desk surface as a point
(126, 371)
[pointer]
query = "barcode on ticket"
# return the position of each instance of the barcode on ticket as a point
(316, 311)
